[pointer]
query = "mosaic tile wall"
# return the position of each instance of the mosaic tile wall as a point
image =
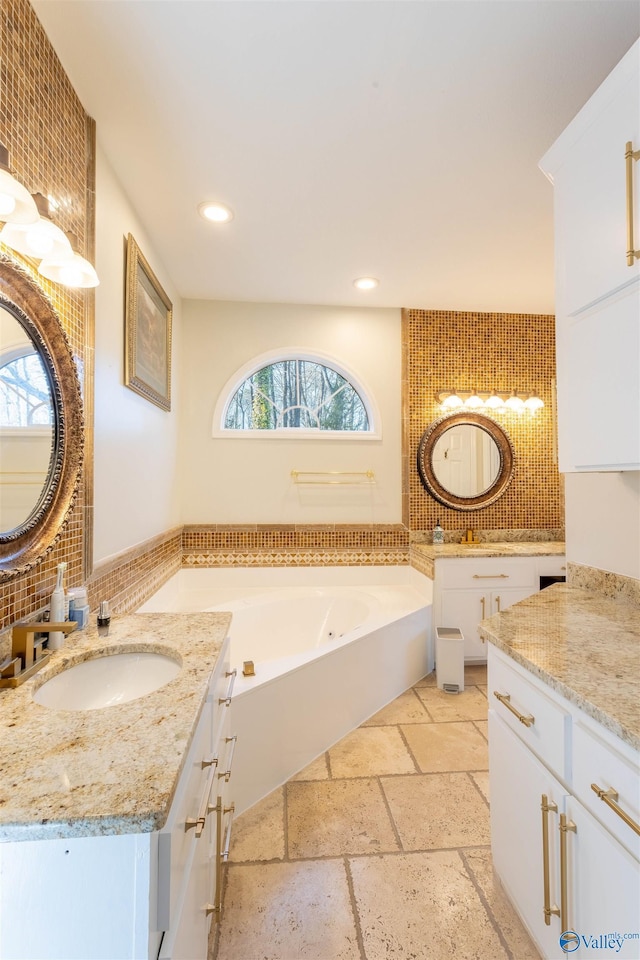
(130, 578)
(294, 545)
(50, 142)
(445, 349)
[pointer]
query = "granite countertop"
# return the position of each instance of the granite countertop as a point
(583, 645)
(440, 551)
(114, 770)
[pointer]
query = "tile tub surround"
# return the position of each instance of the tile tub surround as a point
(583, 645)
(113, 770)
(337, 864)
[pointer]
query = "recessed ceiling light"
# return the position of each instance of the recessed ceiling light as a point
(365, 283)
(215, 212)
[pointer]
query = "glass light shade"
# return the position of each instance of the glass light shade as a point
(494, 402)
(37, 240)
(514, 402)
(16, 203)
(533, 402)
(452, 401)
(70, 271)
(474, 401)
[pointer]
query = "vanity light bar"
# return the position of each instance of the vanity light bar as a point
(490, 400)
(29, 230)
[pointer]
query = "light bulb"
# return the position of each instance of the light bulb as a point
(452, 401)
(474, 401)
(494, 402)
(514, 402)
(533, 402)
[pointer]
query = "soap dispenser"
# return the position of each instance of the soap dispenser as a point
(57, 609)
(438, 533)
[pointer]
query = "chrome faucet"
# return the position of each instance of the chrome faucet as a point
(27, 653)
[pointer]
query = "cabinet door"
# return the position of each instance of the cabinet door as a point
(191, 936)
(602, 350)
(465, 609)
(588, 169)
(603, 885)
(502, 599)
(517, 784)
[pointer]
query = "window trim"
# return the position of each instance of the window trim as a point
(296, 433)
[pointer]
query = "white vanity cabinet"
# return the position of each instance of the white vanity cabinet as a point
(468, 589)
(597, 290)
(128, 896)
(566, 863)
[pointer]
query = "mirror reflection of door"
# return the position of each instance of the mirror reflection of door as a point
(466, 460)
(26, 424)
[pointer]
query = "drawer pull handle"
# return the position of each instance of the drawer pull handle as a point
(547, 808)
(505, 698)
(491, 576)
(227, 699)
(227, 773)
(630, 155)
(222, 854)
(227, 835)
(565, 827)
(498, 603)
(191, 822)
(610, 797)
(482, 605)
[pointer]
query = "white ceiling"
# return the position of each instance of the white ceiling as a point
(399, 139)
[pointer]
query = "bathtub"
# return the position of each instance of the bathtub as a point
(330, 647)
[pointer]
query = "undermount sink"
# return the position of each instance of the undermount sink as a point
(107, 681)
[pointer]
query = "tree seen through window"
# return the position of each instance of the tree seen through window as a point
(296, 393)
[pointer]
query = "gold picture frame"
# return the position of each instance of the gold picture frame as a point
(148, 319)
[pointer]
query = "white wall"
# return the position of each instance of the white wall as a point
(603, 521)
(136, 491)
(248, 480)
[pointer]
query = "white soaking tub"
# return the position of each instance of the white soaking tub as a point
(330, 647)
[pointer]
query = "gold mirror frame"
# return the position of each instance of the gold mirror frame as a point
(22, 548)
(431, 482)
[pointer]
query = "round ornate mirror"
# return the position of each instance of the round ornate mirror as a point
(465, 461)
(41, 426)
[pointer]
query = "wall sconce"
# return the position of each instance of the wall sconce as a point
(71, 269)
(16, 203)
(490, 400)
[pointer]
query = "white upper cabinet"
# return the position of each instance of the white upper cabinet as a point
(597, 291)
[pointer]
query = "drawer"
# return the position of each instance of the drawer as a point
(487, 573)
(552, 566)
(176, 840)
(612, 766)
(548, 726)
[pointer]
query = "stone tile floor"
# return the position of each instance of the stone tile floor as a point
(379, 848)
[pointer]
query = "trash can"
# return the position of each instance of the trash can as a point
(450, 659)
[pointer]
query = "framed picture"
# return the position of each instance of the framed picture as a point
(148, 316)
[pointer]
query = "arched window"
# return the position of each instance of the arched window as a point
(295, 394)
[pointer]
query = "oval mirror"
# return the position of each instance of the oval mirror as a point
(41, 425)
(465, 461)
